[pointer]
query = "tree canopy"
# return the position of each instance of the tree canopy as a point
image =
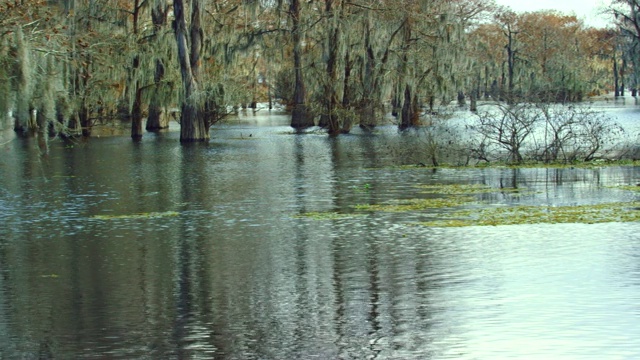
(69, 64)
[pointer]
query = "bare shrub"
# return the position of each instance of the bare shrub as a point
(544, 132)
(573, 133)
(508, 127)
(443, 142)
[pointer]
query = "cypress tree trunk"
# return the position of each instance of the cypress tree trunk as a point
(156, 118)
(473, 103)
(511, 61)
(396, 101)
(347, 122)
(407, 117)
(136, 115)
(373, 75)
(331, 96)
(84, 112)
(622, 77)
(22, 113)
(486, 82)
(475, 94)
(616, 83)
(461, 98)
(367, 105)
(85, 119)
(410, 114)
(300, 117)
(192, 123)
(136, 109)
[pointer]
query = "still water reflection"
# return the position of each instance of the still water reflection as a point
(117, 250)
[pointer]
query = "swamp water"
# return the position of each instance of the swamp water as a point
(264, 244)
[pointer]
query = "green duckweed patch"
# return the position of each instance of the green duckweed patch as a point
(417, 204)
(453, 189)
(519, 215)
(628, 187)
(462, 207)
(148, 215)
(326, 215)
(465, 189)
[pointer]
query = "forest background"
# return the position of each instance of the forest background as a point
(67, 65)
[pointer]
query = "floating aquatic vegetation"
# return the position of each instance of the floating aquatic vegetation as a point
(417, 204)
(464, 189)
(361, 188)
(453, 197)
(327, 215)
(518, 215)
(148, 215)
(627, 187)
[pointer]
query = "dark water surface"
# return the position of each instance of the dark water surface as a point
(226, 268)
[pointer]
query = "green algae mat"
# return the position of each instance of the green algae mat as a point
(459, 205)
(517, 215)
